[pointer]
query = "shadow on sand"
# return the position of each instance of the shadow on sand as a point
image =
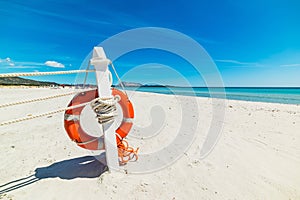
(82, 167)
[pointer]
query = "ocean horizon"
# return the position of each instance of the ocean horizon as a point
(284, 95)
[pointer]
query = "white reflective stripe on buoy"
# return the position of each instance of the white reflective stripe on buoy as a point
(86, 142)
(128, 120)
(100, 142)
(72, 117)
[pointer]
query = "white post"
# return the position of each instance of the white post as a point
(101, 63)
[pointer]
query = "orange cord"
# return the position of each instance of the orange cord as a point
(126, 153)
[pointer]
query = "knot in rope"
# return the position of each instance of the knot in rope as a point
(105, 109)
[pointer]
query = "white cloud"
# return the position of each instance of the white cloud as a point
(291, 65)
(6, 62)
(54, 64)
(235, 62)
(9, 63)
(30, 63)
(21, 67)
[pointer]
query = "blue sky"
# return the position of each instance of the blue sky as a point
(253, 43)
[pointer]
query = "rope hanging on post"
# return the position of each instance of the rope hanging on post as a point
(41, 115)
(44, 73)
(118, 77)
(45, 114)
(40, 99)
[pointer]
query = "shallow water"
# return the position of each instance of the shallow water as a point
(274, 95)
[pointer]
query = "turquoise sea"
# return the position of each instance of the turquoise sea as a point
(274, 95)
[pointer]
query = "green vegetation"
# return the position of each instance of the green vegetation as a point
(23, 81)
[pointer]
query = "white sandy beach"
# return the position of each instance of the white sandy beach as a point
(256, 157)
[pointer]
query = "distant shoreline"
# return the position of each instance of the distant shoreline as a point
(253, 94)
(150, 86)
(202, 87)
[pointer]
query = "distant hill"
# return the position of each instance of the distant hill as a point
(133, 84)
(24, 81)
(130, 84)
(29, 82)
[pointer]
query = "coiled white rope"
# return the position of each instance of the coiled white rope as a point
(44, 73)
(105, 109)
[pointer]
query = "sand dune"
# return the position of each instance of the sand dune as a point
(256, 157)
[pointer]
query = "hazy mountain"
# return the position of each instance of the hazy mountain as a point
(24, 81)
(130, 84)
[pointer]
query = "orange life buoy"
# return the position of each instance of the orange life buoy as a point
(83, 139)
